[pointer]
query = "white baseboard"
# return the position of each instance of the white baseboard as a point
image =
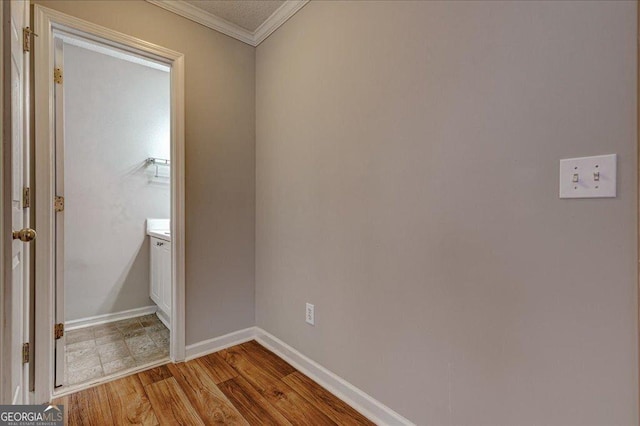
(218, 343)
(371, 408)
(107, 318)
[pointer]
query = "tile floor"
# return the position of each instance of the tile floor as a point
(102, 350)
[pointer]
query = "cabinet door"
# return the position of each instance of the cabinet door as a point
(155, 272)
(165, 286)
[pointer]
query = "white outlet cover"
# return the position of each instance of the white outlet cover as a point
(309, 315)
(589, 177)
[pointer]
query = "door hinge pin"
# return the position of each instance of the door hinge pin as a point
(58, 331)
(26, 38)
(58, 204)
(57, 75)
(26, 353)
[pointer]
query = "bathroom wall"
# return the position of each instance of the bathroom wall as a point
(219, 158)
(407, 185)
(116, 116)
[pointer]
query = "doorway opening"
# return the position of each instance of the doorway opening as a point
(113, 239)
(109, 204)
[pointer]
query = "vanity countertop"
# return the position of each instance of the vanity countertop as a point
(163, 235)
(159, 228)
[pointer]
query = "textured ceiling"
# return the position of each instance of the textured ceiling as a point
(248, 14)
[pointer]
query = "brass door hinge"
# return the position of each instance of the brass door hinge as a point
(58, 331)
(26, 198)
(26, 353)
(58, 204)
(57, 75)
(26, 39)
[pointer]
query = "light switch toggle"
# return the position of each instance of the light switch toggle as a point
(588, 177)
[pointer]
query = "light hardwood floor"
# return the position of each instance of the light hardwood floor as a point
(242, 385)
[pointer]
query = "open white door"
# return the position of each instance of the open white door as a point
(16, 292)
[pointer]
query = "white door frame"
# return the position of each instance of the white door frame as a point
(14, 331)
(45, 21)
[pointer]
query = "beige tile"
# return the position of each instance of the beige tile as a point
(107, 331)
(92, 352)
(107, 347)
(134, 333)
(74, 356)
(109, 339)
(130, 328)
(154, 354)
(119, 365)
(161, 338)
(80, 335)
(78, 376)
(112, 351)
(84, 362)
(79, 345)
(155, 327)
(107, 326)
(149, 320)
(107, 357)
(140, 344)
(126, 323)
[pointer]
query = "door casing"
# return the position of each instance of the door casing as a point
(45, 22)
(15, 308)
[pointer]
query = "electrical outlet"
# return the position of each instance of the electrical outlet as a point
(309, 315)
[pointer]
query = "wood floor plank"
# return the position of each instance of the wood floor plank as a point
(267, 360)
(64, 401)
(334, 408)
(218, 367)
(129, 403)
(171, 405)
(153, 375)
(89, 407)
(210, 402)
(253, 406)
(245, 384)
(291, 405)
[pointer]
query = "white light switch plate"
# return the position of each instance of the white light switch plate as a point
(588, 177)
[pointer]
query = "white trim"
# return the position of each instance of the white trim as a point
(365, 404)
(205, 18)
(369, 407)
(16, 396)
(114, 53)
(277, 18)
(219, 343)
(45, 21)
(209, 20)
(107, 318)
(5, 219)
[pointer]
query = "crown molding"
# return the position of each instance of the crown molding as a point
(277, 18)
(272, 23)
(207, 19)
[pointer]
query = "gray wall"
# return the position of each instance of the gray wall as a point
(407, 185)
(220, 158)
(117, 114)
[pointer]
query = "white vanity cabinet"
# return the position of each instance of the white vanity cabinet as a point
(160, 291)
